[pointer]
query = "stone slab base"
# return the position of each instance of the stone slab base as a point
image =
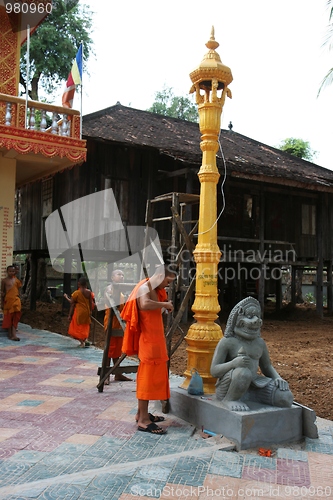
(262, 426)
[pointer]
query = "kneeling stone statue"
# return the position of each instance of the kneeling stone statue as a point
(237, 358)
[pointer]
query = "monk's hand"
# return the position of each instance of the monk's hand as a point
(281, 384)
(168, 306)
(241, 361)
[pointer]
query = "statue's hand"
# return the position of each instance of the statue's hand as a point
(241, 361)
(281, 384)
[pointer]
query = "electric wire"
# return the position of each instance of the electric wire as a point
(222, 192)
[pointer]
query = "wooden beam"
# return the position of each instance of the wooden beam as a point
(254, 240)
(330, 261)
(293, 285)
(179, 314)
(188, 242)
(33, 280)
(278, 294)
(175, 173)
(171, 290)
(320, 268)
(261, 291)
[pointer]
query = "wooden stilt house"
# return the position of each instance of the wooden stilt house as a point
(275, 210)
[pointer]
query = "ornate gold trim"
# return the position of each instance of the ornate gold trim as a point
(30, 141)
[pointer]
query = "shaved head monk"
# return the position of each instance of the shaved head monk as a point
(144, 336)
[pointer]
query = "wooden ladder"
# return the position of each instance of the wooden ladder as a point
(106, 370)
(182, 241)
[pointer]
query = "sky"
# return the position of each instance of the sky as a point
(273, 48)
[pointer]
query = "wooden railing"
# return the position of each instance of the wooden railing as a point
(39, 116)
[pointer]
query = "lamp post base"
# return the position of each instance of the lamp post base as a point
(202, 341)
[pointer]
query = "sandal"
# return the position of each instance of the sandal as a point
(152, 429)
(154, 418)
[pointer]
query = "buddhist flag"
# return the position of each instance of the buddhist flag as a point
(74, 79)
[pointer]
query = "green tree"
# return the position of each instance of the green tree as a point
(53, 46)
(167, 104)
(328, 78)
(297, 147)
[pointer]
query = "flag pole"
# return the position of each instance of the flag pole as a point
(27, 76)
(81, 96)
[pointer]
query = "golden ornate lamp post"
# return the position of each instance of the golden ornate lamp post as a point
(210, 84)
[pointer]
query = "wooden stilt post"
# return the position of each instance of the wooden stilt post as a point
(106, 360)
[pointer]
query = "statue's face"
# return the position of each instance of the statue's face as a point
(248, 323)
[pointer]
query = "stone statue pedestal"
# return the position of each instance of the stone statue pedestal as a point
(262, 426)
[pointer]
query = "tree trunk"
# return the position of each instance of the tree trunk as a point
(33, 94)
(23, 82)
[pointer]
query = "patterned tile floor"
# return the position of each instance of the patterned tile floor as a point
(62, 439)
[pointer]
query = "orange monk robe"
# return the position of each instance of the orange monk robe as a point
(144, 336)
(116, 342)
(12, 306)
(79, 327)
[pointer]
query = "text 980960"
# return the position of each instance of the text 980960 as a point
(28, 7)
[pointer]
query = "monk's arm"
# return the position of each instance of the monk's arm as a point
(148, 304)
(108, 294)
(71, 310)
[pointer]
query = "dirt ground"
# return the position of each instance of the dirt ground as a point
(300, 346)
